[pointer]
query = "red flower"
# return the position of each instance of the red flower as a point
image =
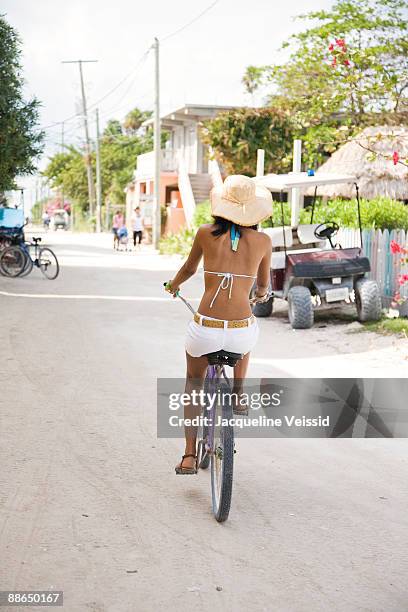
(331, 47)
(395, 247)
(395, 158)
(346, 62)
(334, 62)
(340, 42)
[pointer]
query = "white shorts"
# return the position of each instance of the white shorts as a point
(202, 340)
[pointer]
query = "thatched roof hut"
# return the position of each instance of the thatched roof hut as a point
(377, 174)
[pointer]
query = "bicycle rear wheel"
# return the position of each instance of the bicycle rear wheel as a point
(12, 261)
(48, 263)
(222, 459)
(28, 263)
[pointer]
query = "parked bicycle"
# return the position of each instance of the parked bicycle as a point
(16, 260)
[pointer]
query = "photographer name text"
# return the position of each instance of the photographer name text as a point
(244, 421)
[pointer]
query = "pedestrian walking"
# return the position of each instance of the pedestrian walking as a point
(137, 227)
(117, 223)
(46, 219)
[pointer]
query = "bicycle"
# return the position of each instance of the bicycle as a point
(215, 445)
(16, 260)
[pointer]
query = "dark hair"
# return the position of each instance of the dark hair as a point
(224, 226)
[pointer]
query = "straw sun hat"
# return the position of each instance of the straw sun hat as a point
(241, 201)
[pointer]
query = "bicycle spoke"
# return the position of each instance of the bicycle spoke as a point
(48, 263)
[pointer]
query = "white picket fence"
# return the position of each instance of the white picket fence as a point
(385, 267)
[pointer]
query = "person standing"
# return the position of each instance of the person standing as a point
(46, 219)
(117, 223)
(137, 227)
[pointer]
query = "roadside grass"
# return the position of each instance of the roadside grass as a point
(388, 327)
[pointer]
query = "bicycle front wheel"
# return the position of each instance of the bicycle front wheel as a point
(204, 430)
(48, 263)
(222, 464)
(12, 261)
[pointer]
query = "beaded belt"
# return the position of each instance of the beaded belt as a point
(220, 324)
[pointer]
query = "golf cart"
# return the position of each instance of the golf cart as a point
(60, 219)
(309, 270)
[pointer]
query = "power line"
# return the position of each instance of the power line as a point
(51, 125)
(119, 102)
(143, 57)
(190, 22)
(110, 92)
(122, 107)
(140, 63)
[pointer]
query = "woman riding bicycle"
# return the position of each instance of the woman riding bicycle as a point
(235, 255)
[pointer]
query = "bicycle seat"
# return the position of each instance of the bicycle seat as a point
(223, 358)
(36, 240)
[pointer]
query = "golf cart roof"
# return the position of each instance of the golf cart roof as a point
(284, 182)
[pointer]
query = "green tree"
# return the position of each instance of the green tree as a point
(236, 135)
(113, 128)
(20, 139)
(67, 171)
(349, 69)
(134, 120)
(118, 160)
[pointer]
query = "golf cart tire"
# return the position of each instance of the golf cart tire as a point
(263, 310)
(301, 315)
(368, 300)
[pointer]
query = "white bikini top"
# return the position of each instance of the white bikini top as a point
(227, 281)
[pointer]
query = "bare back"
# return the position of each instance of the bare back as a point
(252, 259)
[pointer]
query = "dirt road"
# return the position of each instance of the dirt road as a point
(89, 501)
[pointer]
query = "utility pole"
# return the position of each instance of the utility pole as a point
(62, 150)
(157, 151)
(98, 177)
(91, 186)
(295, 192)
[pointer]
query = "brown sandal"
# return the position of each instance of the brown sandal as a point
(179, 469)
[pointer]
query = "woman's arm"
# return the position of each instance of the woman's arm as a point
(264, 271)
(189, 268)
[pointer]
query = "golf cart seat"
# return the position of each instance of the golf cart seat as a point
(276, 236)
(305, 234)
(223, 358)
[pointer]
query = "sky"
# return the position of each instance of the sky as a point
(202, 64)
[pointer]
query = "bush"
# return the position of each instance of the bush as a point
(379, 213)
(202, 214)
(177, 244)
(181, 243)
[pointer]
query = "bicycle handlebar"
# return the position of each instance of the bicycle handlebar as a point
(189, 306)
